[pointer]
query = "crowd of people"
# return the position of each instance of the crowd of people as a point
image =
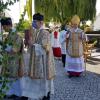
(32, 77)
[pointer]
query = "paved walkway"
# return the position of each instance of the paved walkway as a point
(86, 87)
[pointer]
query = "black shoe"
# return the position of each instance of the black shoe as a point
(12, 97)
(77, 75)
(23, 98)
(48, 96)
(44, 98)
(70, 76)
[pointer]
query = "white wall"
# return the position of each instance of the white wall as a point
(97, 23)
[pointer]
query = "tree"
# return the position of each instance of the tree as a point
(4, 5)
(60, 11)
(29, 9)
(3, 57)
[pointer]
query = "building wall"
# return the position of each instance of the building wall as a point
(97, 23)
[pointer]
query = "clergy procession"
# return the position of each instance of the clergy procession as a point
(39, 61)
(31, 69)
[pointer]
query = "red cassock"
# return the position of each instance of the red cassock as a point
(56, 50)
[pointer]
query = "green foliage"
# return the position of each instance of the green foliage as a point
(60, 11)
(3, 78)
(3, 57)
(4, 5)
(23, 24)
(26, 24)
(3, 81)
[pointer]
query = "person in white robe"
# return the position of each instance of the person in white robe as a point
(62, 40)
(75, 49)
(13, 51)
(39, 63)
(56, 46)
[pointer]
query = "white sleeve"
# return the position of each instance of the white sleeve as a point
(62, 36)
